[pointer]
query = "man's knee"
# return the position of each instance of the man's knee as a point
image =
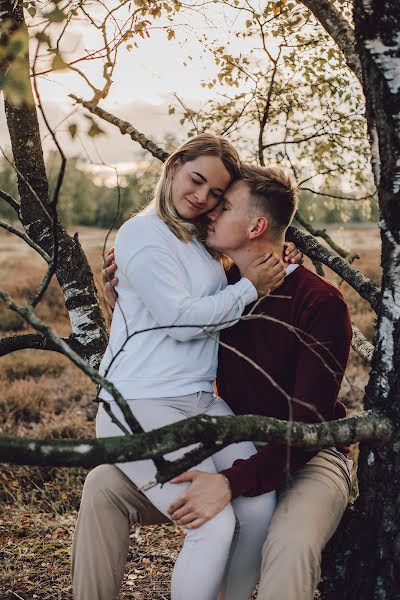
(107, 490)
(101, 479)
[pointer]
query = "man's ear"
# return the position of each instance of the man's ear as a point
(258, 227)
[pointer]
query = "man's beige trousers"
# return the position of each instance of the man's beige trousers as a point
(309, 510)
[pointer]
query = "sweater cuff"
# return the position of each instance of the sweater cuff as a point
(237, 482)
(246, 291)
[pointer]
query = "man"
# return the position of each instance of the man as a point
(300, 343)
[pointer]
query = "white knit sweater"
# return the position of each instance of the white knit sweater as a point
(164, 282)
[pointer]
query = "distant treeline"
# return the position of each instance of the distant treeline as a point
(81, 200)
(84, 202)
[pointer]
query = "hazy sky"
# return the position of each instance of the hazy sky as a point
(143, 85)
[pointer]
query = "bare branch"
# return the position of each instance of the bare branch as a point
(28, 314)
(322, 233)
(336, 197)
(26, 341)
(10, 200)
(125, 128)
(361, 345)
(366, 288)
(26, 239)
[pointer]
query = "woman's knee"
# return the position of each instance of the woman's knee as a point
(218, 530)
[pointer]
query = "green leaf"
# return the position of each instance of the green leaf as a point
(56, 15)
(43, 38)
(58, 62)
(95, 130)
(73, 129)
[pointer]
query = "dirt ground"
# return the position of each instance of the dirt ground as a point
(43, 395)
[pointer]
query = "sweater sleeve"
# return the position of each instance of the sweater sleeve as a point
(323, 355)
(162, 284)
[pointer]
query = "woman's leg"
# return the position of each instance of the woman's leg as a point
(200, 567)
(253, 519)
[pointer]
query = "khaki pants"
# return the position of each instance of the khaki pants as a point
(308, 512)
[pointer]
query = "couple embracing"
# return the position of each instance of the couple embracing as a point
(249, 514)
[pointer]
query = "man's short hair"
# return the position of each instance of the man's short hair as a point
(273, 192)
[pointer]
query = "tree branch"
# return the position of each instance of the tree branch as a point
(366, 288)
(28, 314)
(325, 236)
(214, 432)
(26, 341)
(336, 197)
(340, 31)
(10, 200)
(361, 345)
(26, 239)
(125, 128)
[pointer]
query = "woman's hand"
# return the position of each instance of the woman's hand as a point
(109, 279)
(266, 273)
(292, 254)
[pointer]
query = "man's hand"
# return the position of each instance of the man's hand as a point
(205, 498)
(266, 273)
(109, 279)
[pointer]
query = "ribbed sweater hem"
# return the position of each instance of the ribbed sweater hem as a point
(134, 389)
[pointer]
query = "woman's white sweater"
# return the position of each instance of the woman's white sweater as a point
(173, 298)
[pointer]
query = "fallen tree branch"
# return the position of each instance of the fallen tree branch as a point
(366, 288)
(213, 432)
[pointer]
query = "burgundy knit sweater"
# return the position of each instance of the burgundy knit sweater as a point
(307, 362)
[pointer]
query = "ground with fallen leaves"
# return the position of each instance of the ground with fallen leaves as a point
(43, 395)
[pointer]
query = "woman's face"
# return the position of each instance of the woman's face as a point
(198, 185)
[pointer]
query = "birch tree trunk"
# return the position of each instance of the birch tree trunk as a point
(88, 330)
(365, 561)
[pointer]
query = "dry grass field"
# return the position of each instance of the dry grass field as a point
(43, 395)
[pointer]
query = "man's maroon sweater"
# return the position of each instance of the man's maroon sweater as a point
(305, 353)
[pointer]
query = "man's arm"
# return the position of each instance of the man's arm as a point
(320, 369)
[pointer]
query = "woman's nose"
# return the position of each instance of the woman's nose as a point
(201, 195)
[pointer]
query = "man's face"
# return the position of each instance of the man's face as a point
(230, 222)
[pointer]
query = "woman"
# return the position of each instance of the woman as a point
(173, 291)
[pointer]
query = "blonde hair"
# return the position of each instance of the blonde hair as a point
(272, 192)
(204, 144)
